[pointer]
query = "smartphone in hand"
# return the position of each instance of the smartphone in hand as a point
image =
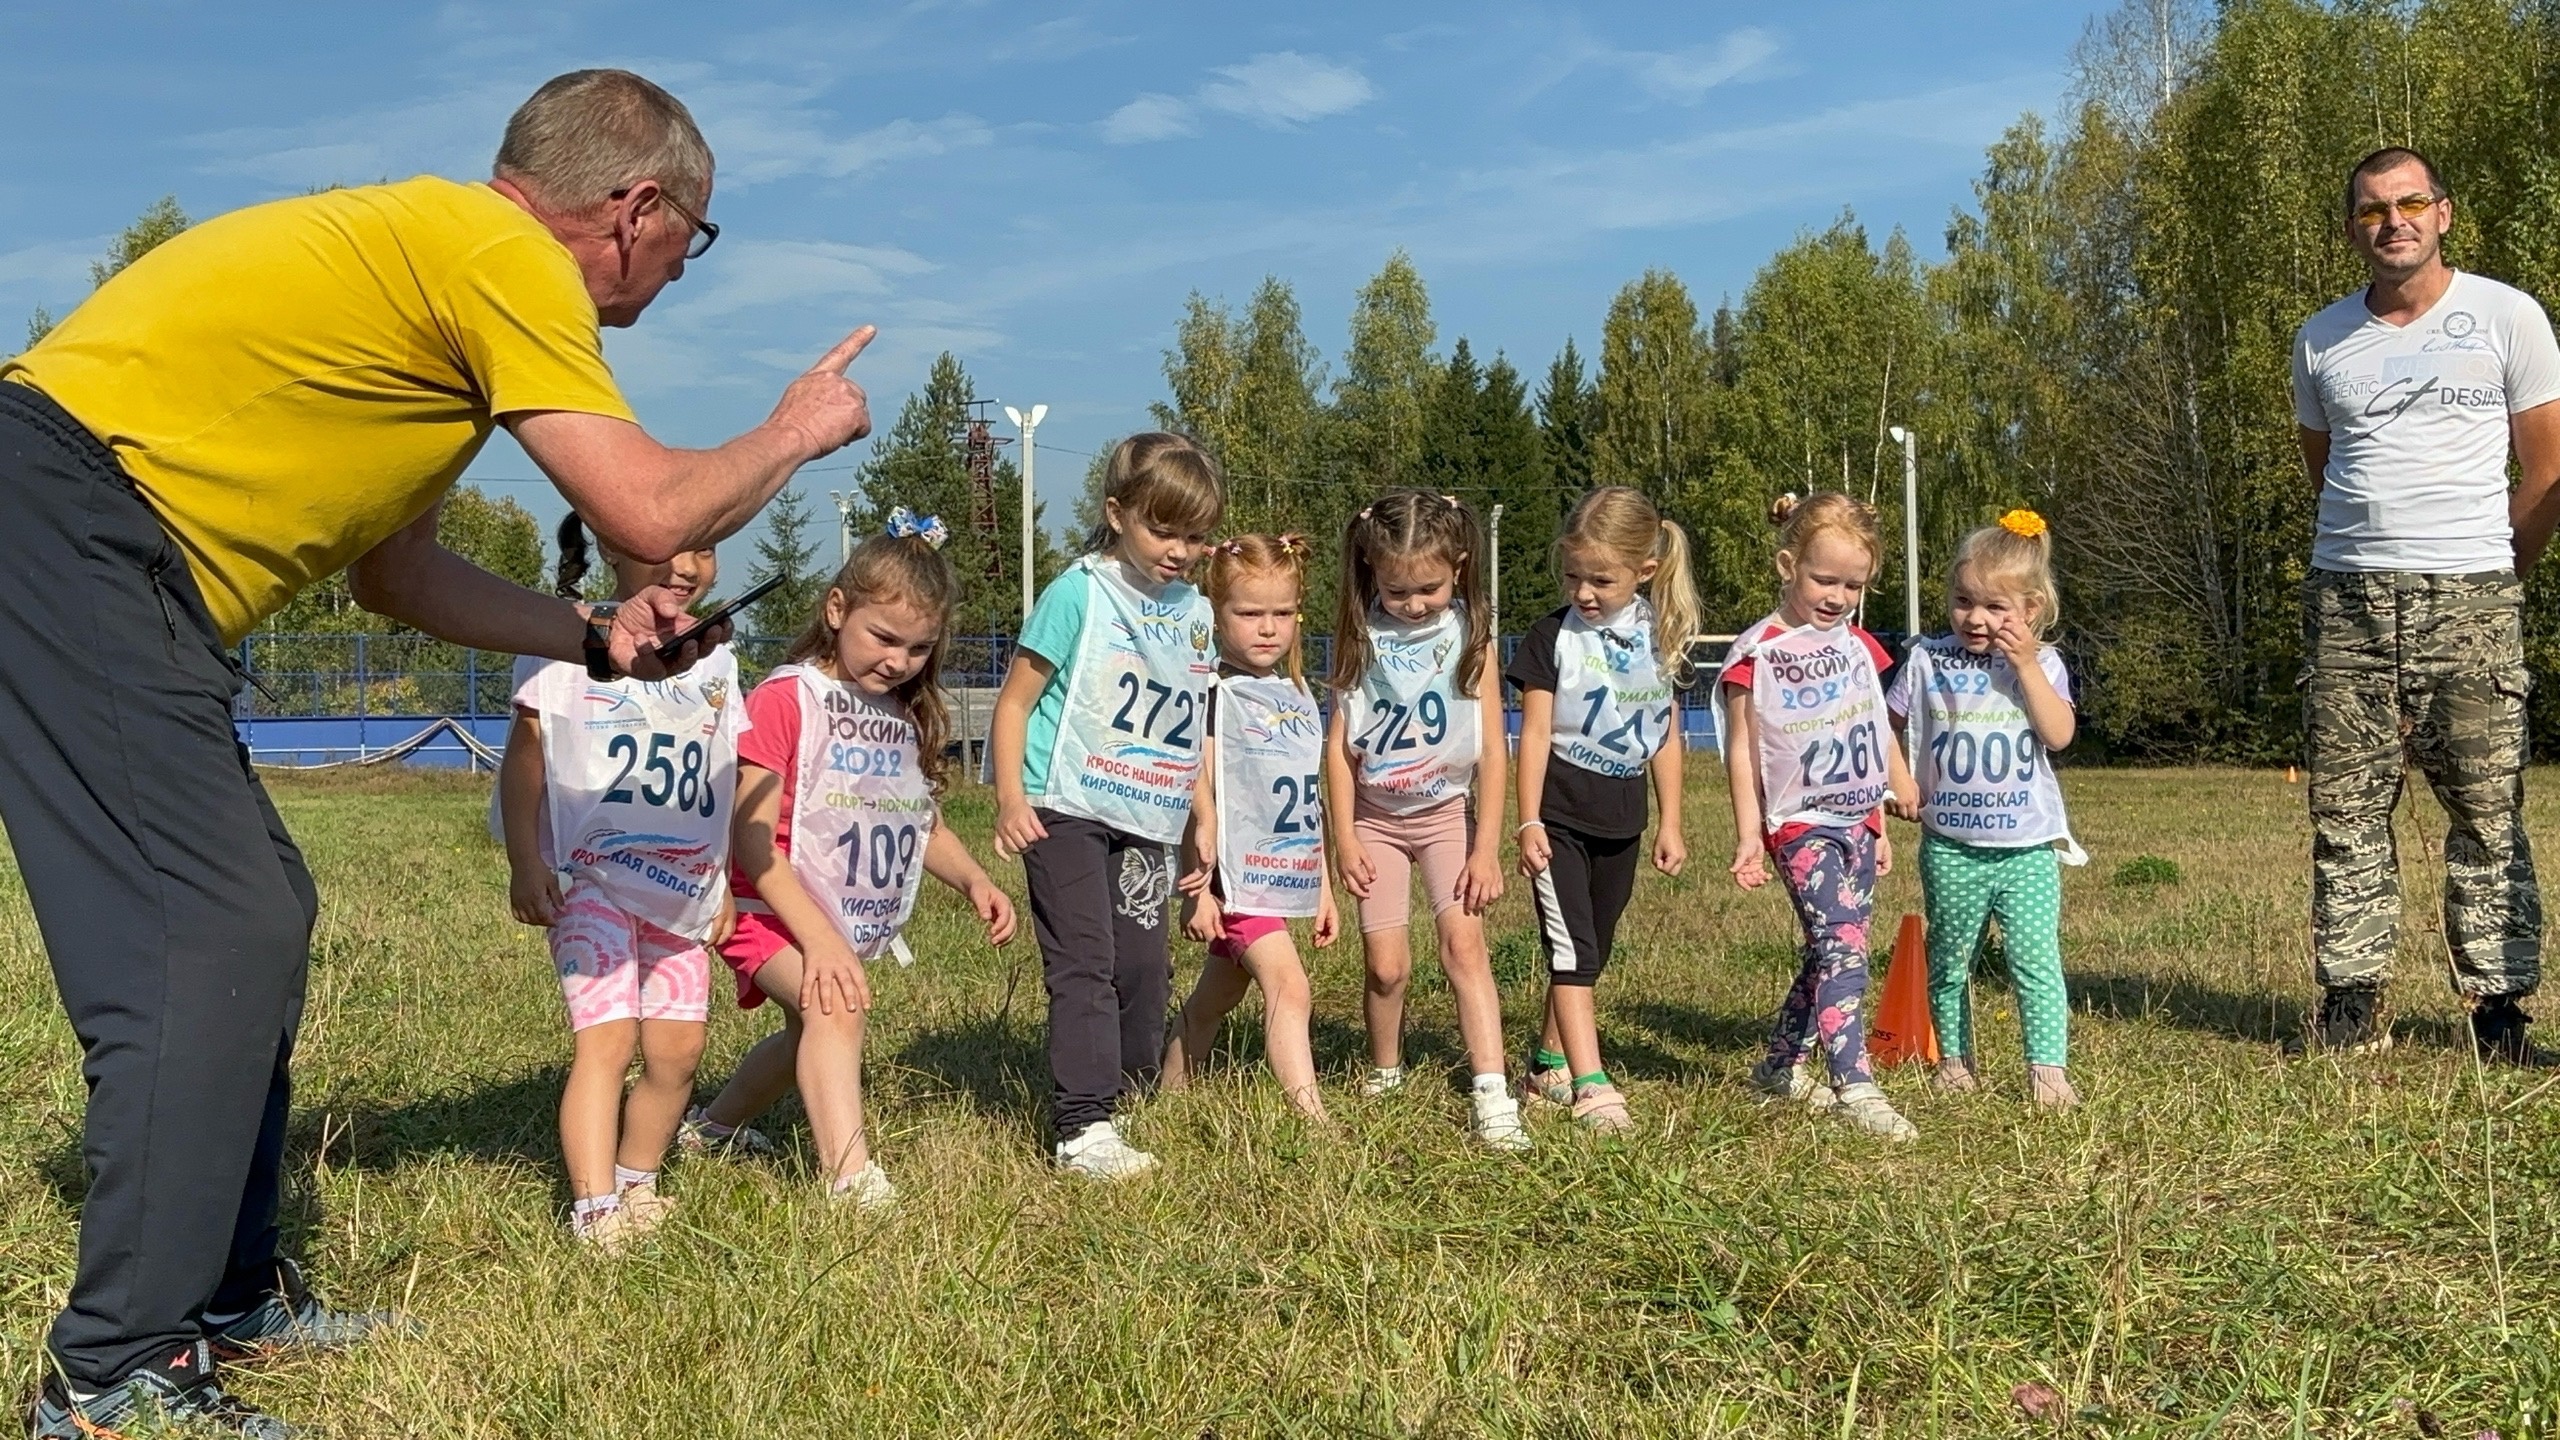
(669, 650)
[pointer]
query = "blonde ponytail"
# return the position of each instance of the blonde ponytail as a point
(1676, 611)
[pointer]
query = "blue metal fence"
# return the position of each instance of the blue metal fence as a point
(318, 699)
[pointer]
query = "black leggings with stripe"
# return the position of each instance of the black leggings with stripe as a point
(1580, 896)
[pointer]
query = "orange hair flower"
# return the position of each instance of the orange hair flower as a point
(2025, 524)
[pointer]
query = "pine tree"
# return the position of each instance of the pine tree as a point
(1513, 471)
(786, 550)
(1565, 405)
(1452, 418)
(919, 463)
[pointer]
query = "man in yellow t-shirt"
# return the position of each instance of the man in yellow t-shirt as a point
(274, 396)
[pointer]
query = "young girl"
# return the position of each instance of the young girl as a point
(614, 801)
(1416, 691)
(836, 828)
(1812, 761)
(1097, 746)
(1255, 854)
(1596, 715)
(1989, 704)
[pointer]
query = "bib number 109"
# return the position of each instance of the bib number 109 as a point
(1831, 760)
(885, 855)
(689, 790)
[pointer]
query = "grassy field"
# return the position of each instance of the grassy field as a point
(2217, 1244)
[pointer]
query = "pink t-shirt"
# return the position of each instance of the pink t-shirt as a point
(1737, 673)
(772, 742)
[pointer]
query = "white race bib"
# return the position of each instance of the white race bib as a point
(1129, 738)
(1613, 706)
(639, 776)
(1819, 709)
(861, 811)
(1269, 781)
(1984, 777)
(1415, 739)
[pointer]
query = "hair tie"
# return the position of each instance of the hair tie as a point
(2025, 524)
(1364, 512)
(1293, 544)
(1449, 500)
(1234, 547)
(905, 524)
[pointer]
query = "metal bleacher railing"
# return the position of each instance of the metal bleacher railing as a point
(316, 700)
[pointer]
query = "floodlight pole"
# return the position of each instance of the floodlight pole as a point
(1495, 619)
(1910, 529)
(1028, 423)
(844, 524)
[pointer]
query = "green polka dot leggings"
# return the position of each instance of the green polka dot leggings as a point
(1965, 886)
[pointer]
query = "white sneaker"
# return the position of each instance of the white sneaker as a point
(695, 1137)
(1795, 1083)
(1098, 1153)
(1497, 1116)
(1865, 1107)
(1384, 1080)
(865, 1189)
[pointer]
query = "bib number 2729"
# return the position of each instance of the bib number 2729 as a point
(689, 789)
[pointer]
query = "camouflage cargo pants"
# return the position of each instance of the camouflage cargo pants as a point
(2428, 669)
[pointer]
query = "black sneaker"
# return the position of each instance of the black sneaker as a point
(2349, 1021)
(177, 1390)
(293, 1319)
(2497, 1028)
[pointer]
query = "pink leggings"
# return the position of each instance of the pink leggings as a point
(1435, 839)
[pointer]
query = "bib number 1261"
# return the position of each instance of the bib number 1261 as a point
(1830, 760)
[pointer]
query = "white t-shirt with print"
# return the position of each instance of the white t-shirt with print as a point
(2416, 416)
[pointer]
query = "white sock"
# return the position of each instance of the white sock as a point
(624, 1178)
(590, 1209)
(1493, 1084)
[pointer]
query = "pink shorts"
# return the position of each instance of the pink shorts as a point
(758, 938)
(1242, 931)
(1435, 839)
(615, 967)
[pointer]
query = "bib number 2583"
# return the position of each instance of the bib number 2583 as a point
(689, 790)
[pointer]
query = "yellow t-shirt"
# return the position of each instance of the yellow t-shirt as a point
(290, 384)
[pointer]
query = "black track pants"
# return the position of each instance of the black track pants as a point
(1098, 901)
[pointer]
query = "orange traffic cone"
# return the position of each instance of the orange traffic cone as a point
(1901, 1030)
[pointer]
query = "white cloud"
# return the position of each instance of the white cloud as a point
(1149, 117)
(759, 143)
(760, 274)
(1685, 76)
(52, 263)
(1287, 88)
(1279, 90)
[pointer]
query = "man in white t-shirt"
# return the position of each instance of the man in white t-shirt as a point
(2411, 394)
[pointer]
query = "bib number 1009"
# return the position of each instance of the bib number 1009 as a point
(1832, 760)
(1996, 757)
(690, 791)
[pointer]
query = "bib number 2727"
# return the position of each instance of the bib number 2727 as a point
(1177, 734)
(688, 789)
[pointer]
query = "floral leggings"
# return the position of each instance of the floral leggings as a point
(1831, 876)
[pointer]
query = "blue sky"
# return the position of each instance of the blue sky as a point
(1037, 187)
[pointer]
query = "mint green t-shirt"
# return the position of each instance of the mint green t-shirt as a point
(1055, 630)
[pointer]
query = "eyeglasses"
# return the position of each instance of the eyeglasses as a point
(2408, 207)
(704, 231)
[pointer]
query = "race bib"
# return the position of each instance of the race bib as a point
(1268, 782)
(1819, 710)
(1415, 739)
(1129, 738)
(1984, 777)
(640, 775)
(861, 811)
(1613, 706)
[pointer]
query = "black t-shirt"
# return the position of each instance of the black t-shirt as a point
(1586, 800)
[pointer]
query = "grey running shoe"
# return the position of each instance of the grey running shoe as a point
(1548, 1087)
(2349, 1021)
(294, 1319)
(1773, 1085)
(1865, 1107)
(176, 1391)
(697, 1136)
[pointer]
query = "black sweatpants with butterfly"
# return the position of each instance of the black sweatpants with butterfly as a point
(1098, 903)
